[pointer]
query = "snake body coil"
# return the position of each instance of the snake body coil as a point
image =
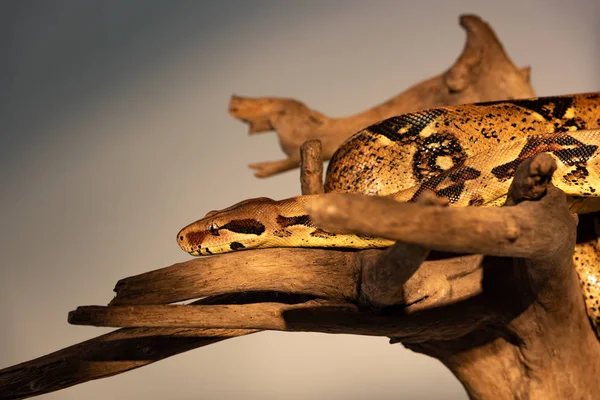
(466, 153)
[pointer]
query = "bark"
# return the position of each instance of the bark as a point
(320, 273)
(483, 72)
(506, 232)
(104, 356)
(311, 167)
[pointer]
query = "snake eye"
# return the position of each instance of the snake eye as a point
(180, 237)
(213, 229)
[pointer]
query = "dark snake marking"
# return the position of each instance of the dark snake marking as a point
(577, 174)
(285, 222)
(282, 233)
(459, 176)
(304, 220)
(400, 130)
(541, 105)
(476, 200)
(248, 226)
(436, 145)
(236, 246)
(415, 122)
(575, 155)
(195, 238)
(320, 233)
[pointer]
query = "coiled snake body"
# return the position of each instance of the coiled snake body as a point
(467, 154)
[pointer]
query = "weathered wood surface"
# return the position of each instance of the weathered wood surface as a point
(317, 272)
(482, 72)
(311, 167)
(104, 356)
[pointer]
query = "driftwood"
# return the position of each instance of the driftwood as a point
(311, 173)
(508, 321)
(482, 72)
(506, 327)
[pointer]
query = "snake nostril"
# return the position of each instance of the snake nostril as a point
(180, 237)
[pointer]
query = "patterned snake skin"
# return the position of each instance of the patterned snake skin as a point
(467, 154)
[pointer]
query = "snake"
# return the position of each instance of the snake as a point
(467, 154)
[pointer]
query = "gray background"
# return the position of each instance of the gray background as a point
(115, 133)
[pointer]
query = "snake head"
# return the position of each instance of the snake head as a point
(241, 226)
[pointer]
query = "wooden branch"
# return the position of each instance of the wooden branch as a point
(131, 348)
(462, 276)
(104, 356)
(314, 316)
(508, 232)
(321, 273)
(440, 282)
(383, 282)
(261, 315)
(311, 168)
(483, 72)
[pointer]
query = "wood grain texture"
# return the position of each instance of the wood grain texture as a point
(304, 271)
(104, 356)
(482, 72)
(505, 232)
(311, 167)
